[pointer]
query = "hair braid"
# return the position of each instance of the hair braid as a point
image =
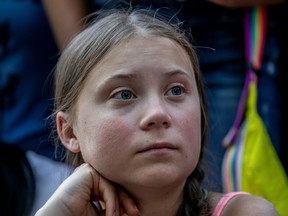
(195, 201)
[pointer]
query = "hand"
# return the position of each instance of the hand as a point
(75, 196)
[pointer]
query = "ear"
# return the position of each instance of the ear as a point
(66, 133)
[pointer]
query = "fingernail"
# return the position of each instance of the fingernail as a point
(136, 209)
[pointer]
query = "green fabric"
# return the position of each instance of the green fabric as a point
(262, 171)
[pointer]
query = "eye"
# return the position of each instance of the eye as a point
(123, 95)
(176, 91)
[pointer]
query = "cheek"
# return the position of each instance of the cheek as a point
(190, 130)
(103, 143)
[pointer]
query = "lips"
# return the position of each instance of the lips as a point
(158, 146)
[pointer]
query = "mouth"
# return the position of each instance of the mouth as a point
(158, 147)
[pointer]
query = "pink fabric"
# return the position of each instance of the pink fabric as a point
(224, 200)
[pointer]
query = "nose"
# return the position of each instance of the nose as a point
(155, 115)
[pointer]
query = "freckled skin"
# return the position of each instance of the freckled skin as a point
(111, 131)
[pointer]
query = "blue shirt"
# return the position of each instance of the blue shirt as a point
(28, 54)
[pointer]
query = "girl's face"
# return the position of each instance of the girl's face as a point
(138, 115)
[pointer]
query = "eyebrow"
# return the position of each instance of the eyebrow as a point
(135, 75)
(121, 76)
(177, 73)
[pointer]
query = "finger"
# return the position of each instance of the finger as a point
(117, 209)
(104, 190)
(127, 203)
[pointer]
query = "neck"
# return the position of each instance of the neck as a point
(164, 201)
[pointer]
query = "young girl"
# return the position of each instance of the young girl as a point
(130, 109)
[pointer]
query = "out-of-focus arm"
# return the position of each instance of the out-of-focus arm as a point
(246, 3)
(66, 18)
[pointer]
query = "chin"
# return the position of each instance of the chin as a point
(163, 179)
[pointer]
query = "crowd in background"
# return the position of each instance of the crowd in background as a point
(32, 35)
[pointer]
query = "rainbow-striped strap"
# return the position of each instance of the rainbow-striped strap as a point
(255, 22)
(255, 32)
(254, 29)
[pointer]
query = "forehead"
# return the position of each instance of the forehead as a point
(145, 51)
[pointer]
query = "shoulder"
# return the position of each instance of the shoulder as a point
(243, 205)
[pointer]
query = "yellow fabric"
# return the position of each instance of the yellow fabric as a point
(262, 171)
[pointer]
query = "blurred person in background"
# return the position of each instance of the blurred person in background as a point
(29, 49)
